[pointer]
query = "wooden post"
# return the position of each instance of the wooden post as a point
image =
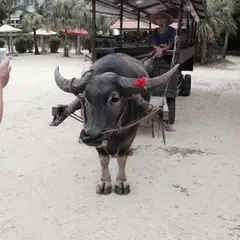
(138, 28)
(93, 30)
(121, 24)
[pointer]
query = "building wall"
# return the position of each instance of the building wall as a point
(15, 18)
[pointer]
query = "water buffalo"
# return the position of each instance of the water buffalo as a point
(109, 91)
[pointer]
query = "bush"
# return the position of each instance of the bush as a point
(54, 44)
(30, 44)
(21, 45)
(2, 43)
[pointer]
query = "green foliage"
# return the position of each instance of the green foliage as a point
(8, 7)
(21, 44)
(54, 44)
(33, 20)
(2, 43)
(3, 14)
(220, 23)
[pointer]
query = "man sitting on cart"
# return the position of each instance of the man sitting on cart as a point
(163, 38)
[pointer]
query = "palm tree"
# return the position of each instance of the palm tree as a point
(104, 23)
(230, 25)
(10, 8)
(60, 17)
(32, 20)
(219, 21)
(3, 14)
(81, 17)
(207, 31)
(65, 14)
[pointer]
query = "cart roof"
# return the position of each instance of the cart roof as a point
(149, 7)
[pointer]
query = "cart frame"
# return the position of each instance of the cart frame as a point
(187, 12)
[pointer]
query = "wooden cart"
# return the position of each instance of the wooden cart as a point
(185, 12)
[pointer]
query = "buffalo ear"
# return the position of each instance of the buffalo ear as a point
(131, 86)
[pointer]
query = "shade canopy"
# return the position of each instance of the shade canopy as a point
(8, 28)
(44, 32)
(132, 25)
(197, 8)
(75, 32)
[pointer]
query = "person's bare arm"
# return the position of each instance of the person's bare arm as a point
(1, 104)
(156, 47)
(167, 47)
(5, 69)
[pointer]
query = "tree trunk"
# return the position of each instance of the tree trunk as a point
(8, 35)
(66, 53)
(43, 44)
(8, 43)
(204, 51)
(35, 42)
(76, 48)
(224, 52)
(11, 43)
(78, 45)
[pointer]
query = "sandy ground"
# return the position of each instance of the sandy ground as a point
(188, 189)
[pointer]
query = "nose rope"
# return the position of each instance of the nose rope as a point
(119, 127)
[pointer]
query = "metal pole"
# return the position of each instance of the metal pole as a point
(188, 22)
(93, 30)
(192, 30)
(138, 28)
(180, 18)
(121, 24)
(150, 33)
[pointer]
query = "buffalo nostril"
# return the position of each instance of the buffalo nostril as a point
(92, 133)
(83, 135)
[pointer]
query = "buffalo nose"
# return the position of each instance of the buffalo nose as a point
(90, 133)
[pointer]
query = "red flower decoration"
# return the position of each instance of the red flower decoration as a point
(141, 82)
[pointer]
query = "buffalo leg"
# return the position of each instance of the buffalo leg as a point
(122, 187)
(105, 185)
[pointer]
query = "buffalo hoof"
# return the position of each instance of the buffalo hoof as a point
(122, 188)
(104, 188)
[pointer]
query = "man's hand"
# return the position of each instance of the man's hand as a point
(5, 69)
(159, 52)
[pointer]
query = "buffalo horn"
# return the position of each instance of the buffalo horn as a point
(74, 85)
(155, 83)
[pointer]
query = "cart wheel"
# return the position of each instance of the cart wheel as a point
(186, 86)
(171, 102)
